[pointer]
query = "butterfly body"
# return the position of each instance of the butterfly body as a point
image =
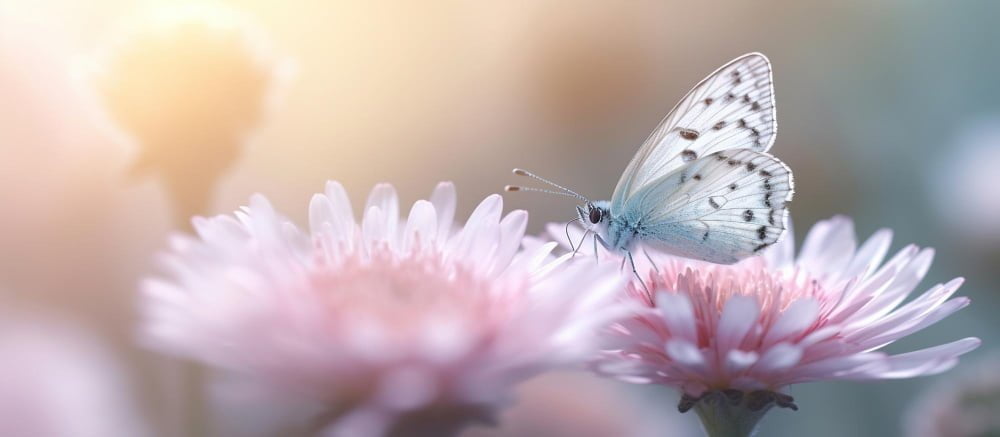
(702, 185)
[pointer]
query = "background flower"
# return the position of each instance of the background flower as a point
(962, 405)
(387, 323)
(147, 79)
(57, 381)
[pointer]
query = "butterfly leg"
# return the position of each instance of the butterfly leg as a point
(650, 259)
(597, 238)
(570, 239)
(580, 244)
(636, 273)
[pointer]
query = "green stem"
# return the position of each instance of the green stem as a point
(734, 413)
(722, 419)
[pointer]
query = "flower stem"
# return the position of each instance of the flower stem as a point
(721, 419)
(733, 413)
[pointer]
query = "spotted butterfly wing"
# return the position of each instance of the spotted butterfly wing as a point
(721, 208)
(732, 108)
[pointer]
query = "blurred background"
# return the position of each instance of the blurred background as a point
(119, 119)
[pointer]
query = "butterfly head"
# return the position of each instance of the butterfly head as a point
(594, 214)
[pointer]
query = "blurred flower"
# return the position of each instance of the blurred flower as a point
(580, 405)
(57, 382)
(188, 85)
(733, 337)
(961, 177)
(962, 406)
(388, 325)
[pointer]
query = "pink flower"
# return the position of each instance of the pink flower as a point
(388, 324)
(768, 322)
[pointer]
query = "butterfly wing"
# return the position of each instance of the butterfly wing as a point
(732, 108)
(720, 208)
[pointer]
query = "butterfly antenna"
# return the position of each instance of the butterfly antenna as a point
(566, 191)
(539, 190)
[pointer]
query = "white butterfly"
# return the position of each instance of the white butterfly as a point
(702, 185)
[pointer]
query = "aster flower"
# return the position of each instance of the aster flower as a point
(733, 338)
(388, 326)
(965, 405)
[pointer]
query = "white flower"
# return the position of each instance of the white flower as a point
(385, 324)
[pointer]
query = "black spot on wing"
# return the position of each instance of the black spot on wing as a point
(689, 155)
(762, 233)
(689, 134)
(748, 215)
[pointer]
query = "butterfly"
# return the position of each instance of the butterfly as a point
(702, 185)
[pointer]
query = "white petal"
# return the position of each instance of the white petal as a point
(909, 314)
(819, 335)
(444, 200)
(870, 255)
(902, 285)
(778, 358)
(684, 353)
(829, 246)
(373, 227)
(782, 254)
(511, 233)
(945, 310)
(384, 197)
(678, 315)
(320, 213)
(738, 316)
(421, 226)
(738, 361)
(926, 361)
(343, 213)
(488, 210)
(800, 315)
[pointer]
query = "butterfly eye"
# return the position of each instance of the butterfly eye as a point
(595, 215)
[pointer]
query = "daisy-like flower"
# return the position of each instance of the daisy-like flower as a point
(733, 338)
(387, 326)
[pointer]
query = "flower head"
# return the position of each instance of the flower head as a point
(765, 323)
(383, 322)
